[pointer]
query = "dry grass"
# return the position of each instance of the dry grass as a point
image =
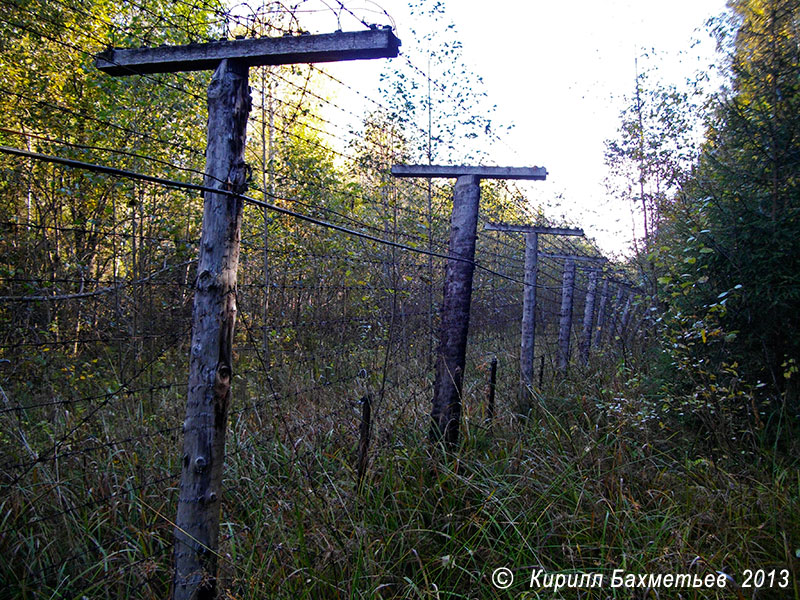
(586, 483)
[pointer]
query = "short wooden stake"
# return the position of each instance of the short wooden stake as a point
(363, 440)
(541, 371)
(492, 388)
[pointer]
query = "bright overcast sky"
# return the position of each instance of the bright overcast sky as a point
(559, 71)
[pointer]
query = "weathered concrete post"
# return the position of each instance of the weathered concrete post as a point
(637, 321)
(567, 293)
(528, 332)
(616, 307)
(214, 315)
(601, 315)
(588, 316)
(626, 314)
(565, 323)
(527, 344)
(450, 362)
(451, 356)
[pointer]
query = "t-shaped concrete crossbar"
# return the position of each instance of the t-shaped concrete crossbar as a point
(577, 257)
(451, 171)
(289, 49)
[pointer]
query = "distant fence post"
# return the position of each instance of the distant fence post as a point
(626, 313)
(588, 316)
(565, 324)
(567, 299)
(601, 315)
(528, 331)
(616, 307)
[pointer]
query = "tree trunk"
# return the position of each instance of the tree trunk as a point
(626, 315)
(213, 320)
(616, 317)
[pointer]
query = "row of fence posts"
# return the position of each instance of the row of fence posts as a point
(451, 356)
(593, 330)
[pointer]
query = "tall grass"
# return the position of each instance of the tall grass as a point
(591, 480)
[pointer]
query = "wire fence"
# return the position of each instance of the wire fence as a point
(338, 299)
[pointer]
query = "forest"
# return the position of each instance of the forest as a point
(387, 403)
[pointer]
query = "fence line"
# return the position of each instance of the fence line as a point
(95, 303)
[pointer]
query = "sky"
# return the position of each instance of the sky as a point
(560, 72)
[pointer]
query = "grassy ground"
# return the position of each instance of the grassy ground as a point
(566, 491)
(592, 480)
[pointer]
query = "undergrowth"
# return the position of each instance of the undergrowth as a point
(598, 476)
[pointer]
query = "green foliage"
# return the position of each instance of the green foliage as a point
(64, 228)
(723, 248)
(434, 85)
(748, 176)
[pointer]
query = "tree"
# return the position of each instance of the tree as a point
(749, 172)
(728, 249)
(651, 159)
(54, 101)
